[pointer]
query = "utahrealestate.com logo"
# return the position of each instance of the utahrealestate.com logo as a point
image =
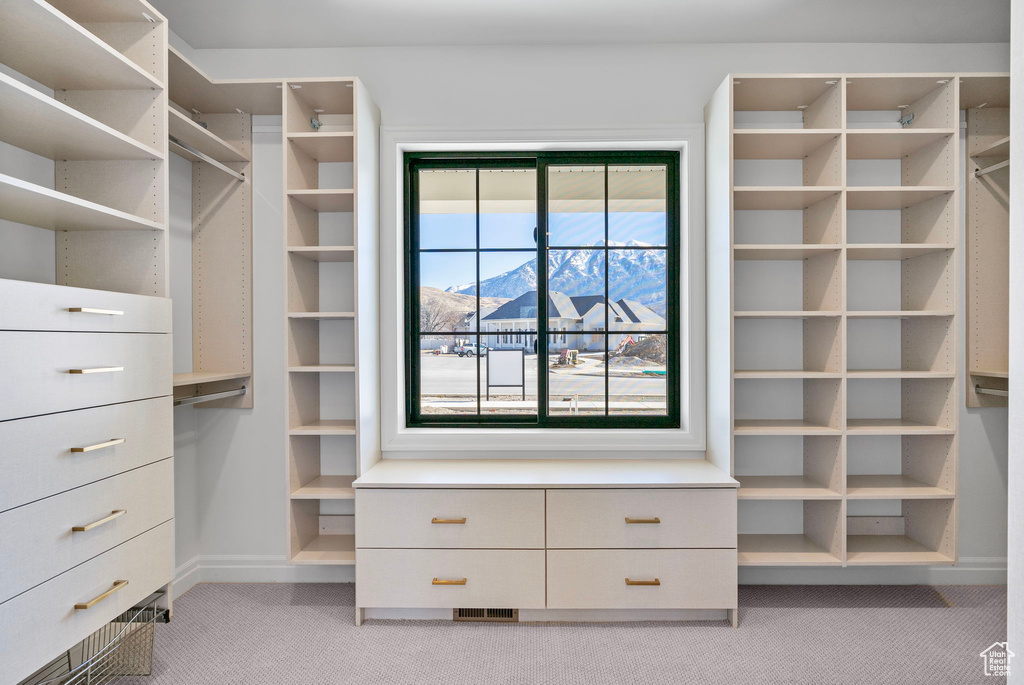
(997, 659)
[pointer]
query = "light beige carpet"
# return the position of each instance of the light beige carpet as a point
(281, 634)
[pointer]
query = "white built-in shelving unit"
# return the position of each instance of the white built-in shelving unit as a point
(330, 252)
(832, 222)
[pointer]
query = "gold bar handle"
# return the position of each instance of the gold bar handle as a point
(436, 581)
(97, 369)
(643, 582)
(118, 584)
(92, 310)
(650, 520)
(437, 520)
(100, 445)
(117, 513)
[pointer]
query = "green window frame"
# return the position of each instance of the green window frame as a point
(415, 162)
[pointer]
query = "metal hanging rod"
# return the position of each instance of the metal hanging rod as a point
(991, 391)
(178, 145)
(994, 167)
(180, 402)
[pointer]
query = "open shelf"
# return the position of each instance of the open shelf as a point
(780, 143)
(801, 348)
(816, 99)
(785, 373)
(28, 203)
(328, 550)
(994, 152)
(73, 58)
(989, 373)
(929, 99)
(781, 252)
(332, 200)
(894, 427)
(781, 427)
(190, 88)
(783, 487)
(323, 368)
(197, 377)
(895, 486)
(780, 197)
(325, 147)
(877, 251)
(891, 143)
(892, 197)
(898, 373)
(325, 427)
(326, 487)
(783, 550)
(899, 315)
(321, 315)
(890, 550)
(203, 140)
(42, 125)
(784, 314)
(319, 253)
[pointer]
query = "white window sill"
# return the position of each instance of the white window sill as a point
(640, 441)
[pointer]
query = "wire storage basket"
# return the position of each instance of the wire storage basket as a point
(123, 647)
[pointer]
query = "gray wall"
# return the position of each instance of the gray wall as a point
(239, 471)
(1016, 442)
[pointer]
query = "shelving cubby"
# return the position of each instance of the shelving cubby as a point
(210, 125)
(838, 250)
(330, 148)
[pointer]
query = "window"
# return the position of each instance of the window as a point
(579, 252)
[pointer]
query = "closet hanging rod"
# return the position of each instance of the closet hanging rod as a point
(994, 167)
(185, 147)
(182, 401)
(991, 391)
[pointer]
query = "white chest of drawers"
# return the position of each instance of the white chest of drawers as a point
(546, 535)
(86, 444)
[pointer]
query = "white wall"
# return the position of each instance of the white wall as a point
(240, 493)
(1016, 443)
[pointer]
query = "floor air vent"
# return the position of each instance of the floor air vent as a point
(493, 615)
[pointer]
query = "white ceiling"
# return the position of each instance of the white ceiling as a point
(365, 23)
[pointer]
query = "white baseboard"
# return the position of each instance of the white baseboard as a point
(968, 571)
(253, 569)
(562, 615)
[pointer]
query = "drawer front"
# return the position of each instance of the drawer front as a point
(493, 578)
(28, 306)
(36, 368)
(39, 624)
(596, 579)
(507, 519)
(36, 455)
(38, 541)
(580, 519)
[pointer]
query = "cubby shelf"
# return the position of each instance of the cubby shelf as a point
(892, 487)
(891, 143)
(75, 59)
(28, 203)
(325, 427)
(322, 200)
(783, 550)
(995, 152)
(326, 487)
(840, 311)
(318, 253)
(781, 252)
(878, 251)
(333, 550)
(890, 550)
(323, 368)
(783, 487)
(321, 315)
(203, 140)
(325, 147)
(42, 125)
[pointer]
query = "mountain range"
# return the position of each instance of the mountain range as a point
(638, 275)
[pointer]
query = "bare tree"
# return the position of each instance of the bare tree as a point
(436, 316)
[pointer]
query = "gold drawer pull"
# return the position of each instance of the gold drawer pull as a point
(437, 520)
(100, 445)
(91, 310)
(117, 513)
(650, 520)
(118, 584)
(437, 581)
(643, 582)
(97, 369)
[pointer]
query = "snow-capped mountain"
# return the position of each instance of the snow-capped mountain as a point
(638, 275)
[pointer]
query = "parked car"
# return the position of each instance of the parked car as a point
(470, 349)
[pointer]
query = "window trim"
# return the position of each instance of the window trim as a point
(541, 161)
(412, 442)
